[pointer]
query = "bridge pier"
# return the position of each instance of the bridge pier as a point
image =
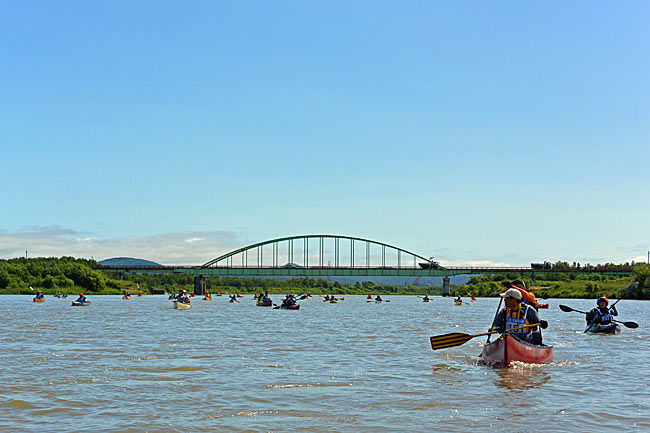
(445, 286)
(199, 285)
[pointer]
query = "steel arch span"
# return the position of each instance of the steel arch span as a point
(226, 260)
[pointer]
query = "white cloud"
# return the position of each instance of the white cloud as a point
(183, 248)
(192, 240)
(475, 263)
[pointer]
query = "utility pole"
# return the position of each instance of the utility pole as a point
(25, 254)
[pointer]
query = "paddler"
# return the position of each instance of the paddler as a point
(601, 314)
(182, 297)
(426, 298)
(39, 294)
(516, 314)
(81, 298)
(459, 300)
(378, 298)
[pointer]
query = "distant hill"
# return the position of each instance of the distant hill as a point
(127, 261)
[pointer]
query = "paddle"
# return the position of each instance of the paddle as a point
(495, 317)
(632, 325)
(458, 338)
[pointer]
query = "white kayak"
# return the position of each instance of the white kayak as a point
(181, 306)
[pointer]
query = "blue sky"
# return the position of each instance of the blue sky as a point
(497, 133)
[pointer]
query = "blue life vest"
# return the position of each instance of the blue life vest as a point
(515, 319)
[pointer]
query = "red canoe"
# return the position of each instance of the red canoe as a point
(508, 349)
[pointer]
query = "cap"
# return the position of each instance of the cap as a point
(511, 293)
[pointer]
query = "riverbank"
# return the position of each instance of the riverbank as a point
(72, 276)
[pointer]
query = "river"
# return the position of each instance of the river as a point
(139, 365)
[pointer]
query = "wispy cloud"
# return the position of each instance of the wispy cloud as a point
(476, 263)
(182, 248)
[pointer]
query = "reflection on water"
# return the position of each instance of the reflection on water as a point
(140, 365)
(520, 377)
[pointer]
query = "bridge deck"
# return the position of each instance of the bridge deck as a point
(343, 271)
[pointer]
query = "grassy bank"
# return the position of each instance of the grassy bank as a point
(70, 275)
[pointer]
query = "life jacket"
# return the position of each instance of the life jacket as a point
(604, 318)
(517, 318)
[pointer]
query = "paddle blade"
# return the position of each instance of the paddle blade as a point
(565, 308)
(449, 340)
(632, 325)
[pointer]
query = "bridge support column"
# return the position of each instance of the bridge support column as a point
(445, 286)
(532, 277)
(199, 285)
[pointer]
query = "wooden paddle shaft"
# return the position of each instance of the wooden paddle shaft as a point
(495, 317)
(507, 330)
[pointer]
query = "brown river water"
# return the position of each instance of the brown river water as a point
(141, 366)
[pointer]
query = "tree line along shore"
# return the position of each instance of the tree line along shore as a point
(69, 275)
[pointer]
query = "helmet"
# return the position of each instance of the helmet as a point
(81, 294)
(602, 298)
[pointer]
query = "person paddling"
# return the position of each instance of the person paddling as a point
(182, 297)
(426, 298)
(378, 298)
(459, 300)
(81, 299)
(516, 314)
(39, 294)
(601, 315)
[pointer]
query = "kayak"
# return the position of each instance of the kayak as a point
(265, 304)
(126, 297)
(207, 299)
(425, 300)
(80, 304)
(39, 299)
(459, 303)
(504, 351)
(333, 301)
(181, 306)
(597, 328)
(378, 302)
(290, 307)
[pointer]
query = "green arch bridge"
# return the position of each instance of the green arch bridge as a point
(330, 256)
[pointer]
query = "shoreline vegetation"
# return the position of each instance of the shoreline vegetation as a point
(71, 275)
